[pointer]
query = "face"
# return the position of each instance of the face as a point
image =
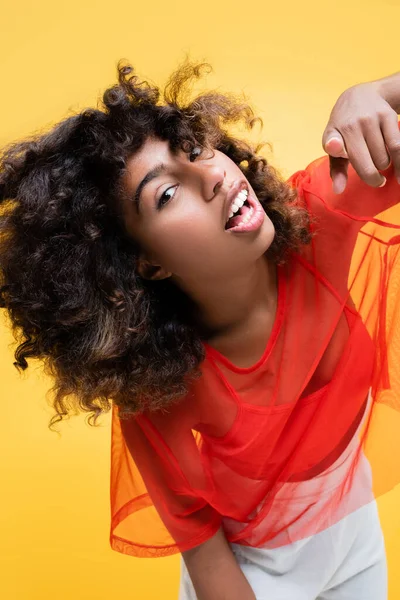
(183, 208)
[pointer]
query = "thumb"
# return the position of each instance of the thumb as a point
(333, 144)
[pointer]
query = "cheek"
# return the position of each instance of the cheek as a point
(187, 241)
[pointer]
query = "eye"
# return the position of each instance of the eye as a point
(166, 196)
(194, 153)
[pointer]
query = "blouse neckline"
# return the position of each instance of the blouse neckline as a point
(214, 354)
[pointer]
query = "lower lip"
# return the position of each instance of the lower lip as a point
(256, 220)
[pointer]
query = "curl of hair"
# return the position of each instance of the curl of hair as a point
(68, 277)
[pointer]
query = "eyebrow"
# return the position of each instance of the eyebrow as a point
(152, 174)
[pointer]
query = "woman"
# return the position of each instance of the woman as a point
(243, 326)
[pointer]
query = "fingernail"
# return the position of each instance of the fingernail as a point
(384, 181)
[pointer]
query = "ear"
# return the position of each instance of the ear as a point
(148, 270)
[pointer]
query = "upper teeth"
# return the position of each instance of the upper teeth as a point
(238, 202)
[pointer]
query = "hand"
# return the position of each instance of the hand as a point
(362, 129)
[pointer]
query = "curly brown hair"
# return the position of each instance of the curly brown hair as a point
(67, 266)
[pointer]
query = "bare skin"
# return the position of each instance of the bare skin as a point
(215, 573)
(228, 278)
(244, 342)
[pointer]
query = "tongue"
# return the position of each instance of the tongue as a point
(233, 221)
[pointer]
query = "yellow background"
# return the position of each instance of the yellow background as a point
(293, 59)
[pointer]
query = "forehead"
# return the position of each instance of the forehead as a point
(151, 152)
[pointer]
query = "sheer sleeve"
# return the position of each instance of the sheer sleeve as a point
(341, 222)
(154, 511)
(357, 249)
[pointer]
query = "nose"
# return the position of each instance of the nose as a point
(212, 179)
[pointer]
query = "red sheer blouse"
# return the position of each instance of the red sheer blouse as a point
(242, 447)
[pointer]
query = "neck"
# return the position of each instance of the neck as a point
(223, 306)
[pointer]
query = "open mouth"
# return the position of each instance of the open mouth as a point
(246, 214)
(238, 210)
(239, 216)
